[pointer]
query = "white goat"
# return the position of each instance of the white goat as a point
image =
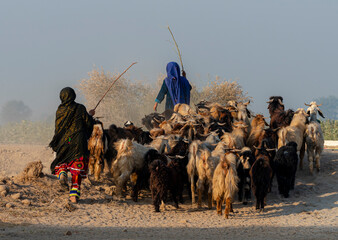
(295, 133)
(314, 137)
(130, 157)
(237, 137)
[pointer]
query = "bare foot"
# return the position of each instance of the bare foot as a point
(73, 199)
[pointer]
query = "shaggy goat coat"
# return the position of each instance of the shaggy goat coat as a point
(315, 144)
(96, 148)
(224, 182)
(261, 174)
(285, 167)
(244, 164)
(130, 157)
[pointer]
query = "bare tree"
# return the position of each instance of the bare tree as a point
(129, 100)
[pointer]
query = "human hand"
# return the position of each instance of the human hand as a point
(184, 73)
(155, 106)
(92, 112)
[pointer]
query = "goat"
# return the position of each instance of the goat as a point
(295, 132)
(315, 144)
(159, 180)
(314, 136)
(183, 109)
(152, 120)
(244, 114)
(224, 183)
(285, 167)
(130, 158)
(244, 164)
(143, 174)
(278, 116)
(261, 174)
(202, 165)
(239, 134)
(96, 147)
(257, 128)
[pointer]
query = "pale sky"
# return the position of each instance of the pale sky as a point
(271, 47)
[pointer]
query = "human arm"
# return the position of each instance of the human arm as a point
(160, 95)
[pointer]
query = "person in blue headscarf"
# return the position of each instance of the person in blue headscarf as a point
(176, 87)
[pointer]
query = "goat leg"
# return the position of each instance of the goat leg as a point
(227, 207)
(219, 206)
(317, 161)
(97, 170)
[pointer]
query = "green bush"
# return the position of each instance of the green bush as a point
(330, 129)
(27, 132)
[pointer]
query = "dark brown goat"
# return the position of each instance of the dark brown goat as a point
(261, 174)
(278, 116)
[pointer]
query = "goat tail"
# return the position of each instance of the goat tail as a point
(231, 180)
(191, 167)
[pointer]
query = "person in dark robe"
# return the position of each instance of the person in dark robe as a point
(176, 87)
(73, 127)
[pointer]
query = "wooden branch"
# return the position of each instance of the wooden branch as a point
(114, 83)
(178, 50)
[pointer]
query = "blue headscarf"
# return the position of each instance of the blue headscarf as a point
(178, 86)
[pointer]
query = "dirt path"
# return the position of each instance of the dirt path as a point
(42, 211)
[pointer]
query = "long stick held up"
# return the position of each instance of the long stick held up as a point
(178, 50)
(113, 84)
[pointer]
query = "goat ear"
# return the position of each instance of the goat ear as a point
(248, 112)
(321, 114)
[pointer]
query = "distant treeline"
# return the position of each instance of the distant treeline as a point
(330, 129)
(27, 132)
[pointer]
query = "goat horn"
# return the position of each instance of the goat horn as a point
(280, 102)
(271, 149)
(179, 156)
(221, 124)
(307, 105)
(270, 101)
(319, 105)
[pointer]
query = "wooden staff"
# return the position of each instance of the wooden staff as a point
(178, 50)
(114, 83)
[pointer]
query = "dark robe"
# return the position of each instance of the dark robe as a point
(73, 127)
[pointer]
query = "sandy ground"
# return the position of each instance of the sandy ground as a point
(42, 211)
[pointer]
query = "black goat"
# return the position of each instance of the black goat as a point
(285, 167)
(143, 175)
(162, 179)
(261, 174)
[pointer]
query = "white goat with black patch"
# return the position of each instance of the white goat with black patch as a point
(130, 157)
(314, 136)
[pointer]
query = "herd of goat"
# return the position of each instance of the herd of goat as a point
(219, 150)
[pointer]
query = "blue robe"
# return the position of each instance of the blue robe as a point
(176, 87)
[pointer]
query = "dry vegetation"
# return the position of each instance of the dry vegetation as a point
(129, 100)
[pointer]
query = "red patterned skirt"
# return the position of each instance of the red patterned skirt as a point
(78, 169)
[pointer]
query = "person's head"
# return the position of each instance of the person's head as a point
(67, 95)
(173, 69)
